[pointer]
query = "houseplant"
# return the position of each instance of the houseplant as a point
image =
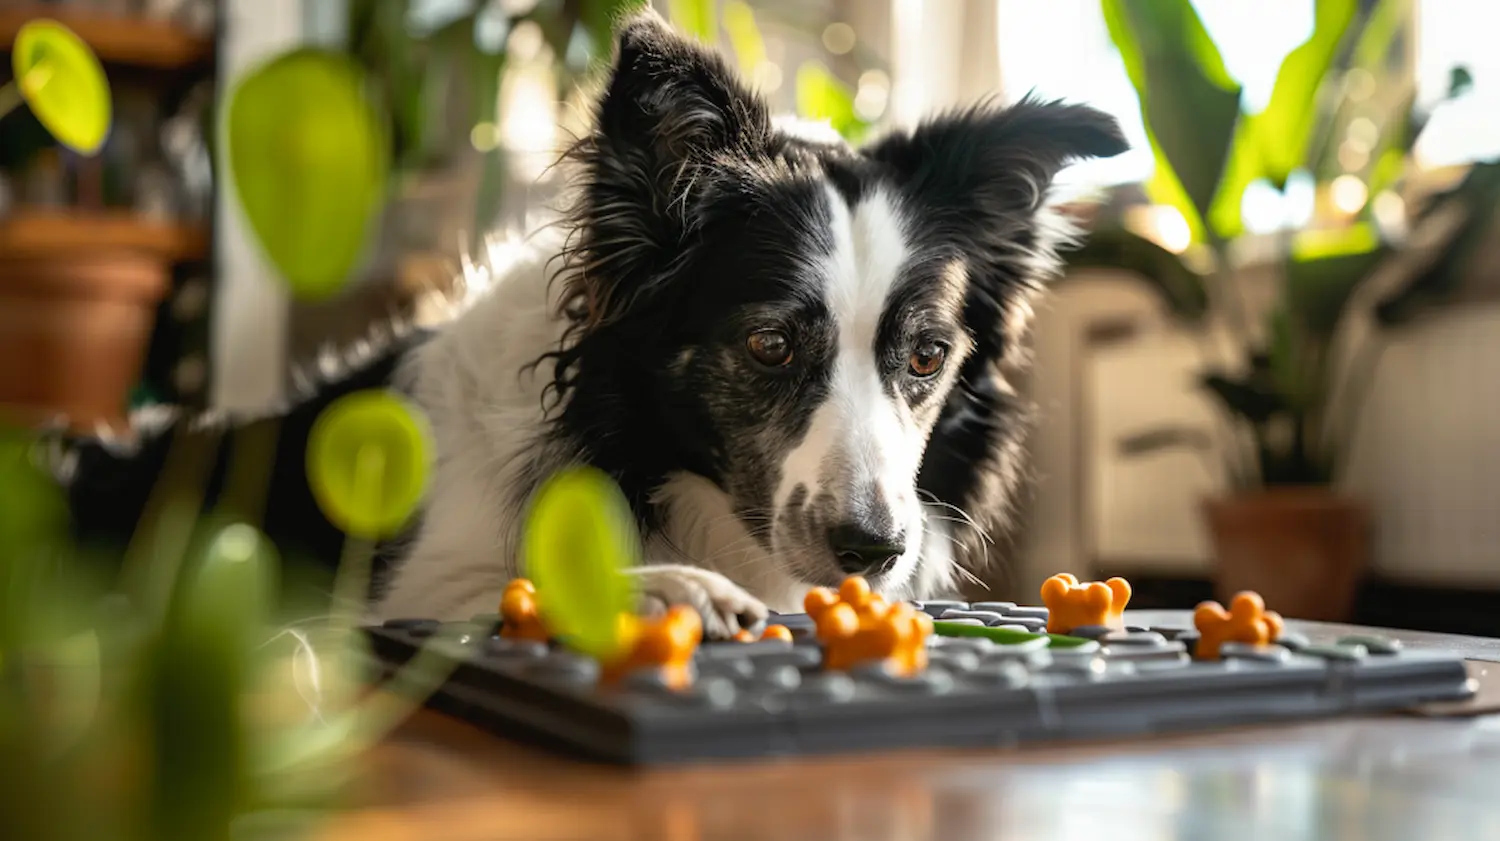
(1286, 380)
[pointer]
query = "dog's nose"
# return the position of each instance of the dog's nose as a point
(860, 551)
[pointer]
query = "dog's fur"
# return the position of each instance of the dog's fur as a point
(789, 354)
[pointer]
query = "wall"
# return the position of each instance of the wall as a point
(250, 303)
(1427, 455)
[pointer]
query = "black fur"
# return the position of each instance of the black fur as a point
(110, 485)
(696, 223)
(694, 207)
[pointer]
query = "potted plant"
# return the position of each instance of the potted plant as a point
(1286, 380)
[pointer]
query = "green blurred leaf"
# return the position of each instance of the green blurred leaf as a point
(1323, 274)
(33, 513)
(744, 35)
(1284, 130)
(193, 687)
(1189, 102)
(1246, 397)
(1478, 195)
(821, 96)
(1165, 438)
(1383, 26)
(599, 18)
(698, 18)
(309, 159)
(1287, 366)
(1182, 289)
(1460, 81)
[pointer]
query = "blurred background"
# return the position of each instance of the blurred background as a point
(1274, 367)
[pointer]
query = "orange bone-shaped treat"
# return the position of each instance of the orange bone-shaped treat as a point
(519, 614)
(857, 626)
(772, 632)
(1072, 605)
(1247, 621)
(666, 643)
(777, 632)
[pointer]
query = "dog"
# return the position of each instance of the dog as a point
(790, 354)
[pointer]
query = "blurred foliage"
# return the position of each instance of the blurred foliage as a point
(1208, 151)
(407, 59)
(169, 705)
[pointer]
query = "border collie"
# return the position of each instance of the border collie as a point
(789, 353)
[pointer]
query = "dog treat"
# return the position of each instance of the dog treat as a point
(518, 613)
(664, 645)
(1247, 621)
(772, 632)
(988, 679)
(858, 627)
(1072, 605)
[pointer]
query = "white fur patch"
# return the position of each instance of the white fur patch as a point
(865, 432)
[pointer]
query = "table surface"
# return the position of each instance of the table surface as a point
(1400, 777)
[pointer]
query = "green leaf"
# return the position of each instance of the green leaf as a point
(309, 159)
(1479, 197)
(194, 684)
(1165, 438)
(1284, 130)
(1244, 167)
(1247, 398)
(1285, 361)
(599, 17)
(1183, 290)
(821, 96)
(1188, 101)
(744, 35)
(1384, 24)
(698, 18)
(1323, 273)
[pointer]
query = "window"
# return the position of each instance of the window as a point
(1449, 33)
(1061, 48)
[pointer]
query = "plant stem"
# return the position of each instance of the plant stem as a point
(10, 98)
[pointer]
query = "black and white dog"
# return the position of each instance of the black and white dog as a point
(789, 353)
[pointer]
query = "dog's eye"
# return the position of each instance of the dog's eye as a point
(771, 348)
(927, 359)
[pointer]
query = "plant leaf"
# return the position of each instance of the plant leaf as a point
(1323, 273)
(1284, 130)
(1183, 290)
(698, 18)
(1165, 438)
(193, 684)
(1163, 186)
(744, 35)
(1479, 193)
(1188, 99)
(1251, 400)
(821, 96)
(309, 158)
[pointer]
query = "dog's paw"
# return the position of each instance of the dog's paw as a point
(725, 607)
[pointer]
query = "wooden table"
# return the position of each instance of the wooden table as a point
(1402, 777)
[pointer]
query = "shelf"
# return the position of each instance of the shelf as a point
(128, 41)
(30, 234)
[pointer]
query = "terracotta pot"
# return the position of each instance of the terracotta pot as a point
(74, 330)
(1304, 550)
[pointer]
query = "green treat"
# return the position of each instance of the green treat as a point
(1004, 636)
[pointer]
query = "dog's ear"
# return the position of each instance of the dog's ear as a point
(997, 160)
(980, 181)
(672, 108)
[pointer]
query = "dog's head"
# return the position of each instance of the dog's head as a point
(797, 314)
